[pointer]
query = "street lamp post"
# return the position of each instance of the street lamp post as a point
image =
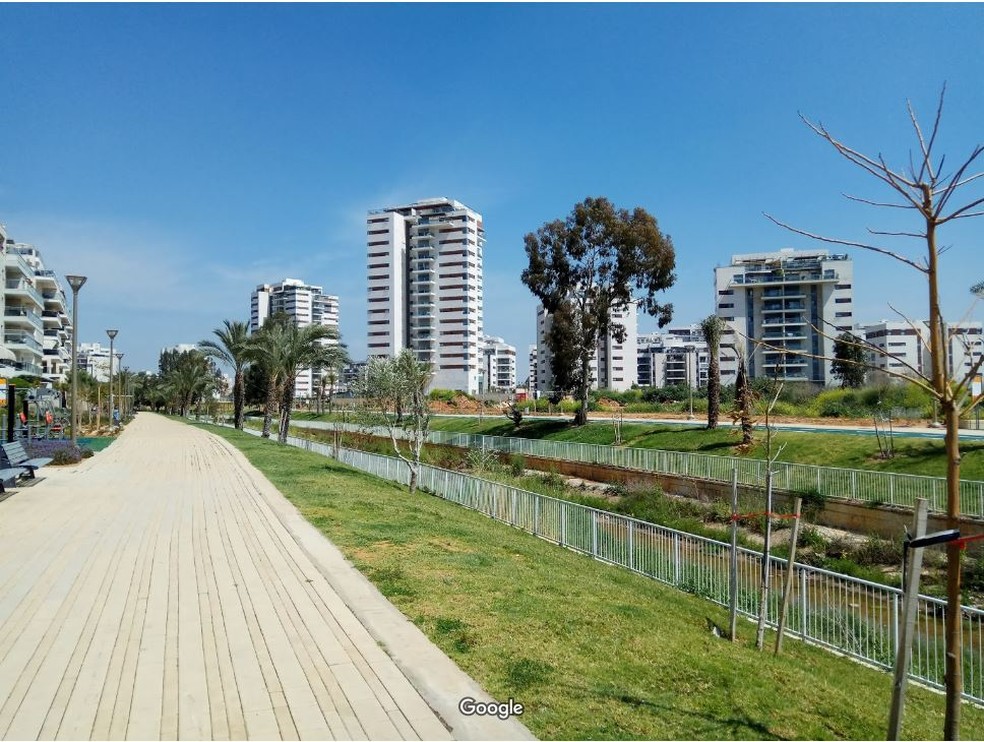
(76, 282)
(112, 336)
(119, 366)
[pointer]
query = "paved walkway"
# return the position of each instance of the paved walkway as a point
(163, 589)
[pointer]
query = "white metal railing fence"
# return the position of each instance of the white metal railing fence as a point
(889, 488)
(850, 615)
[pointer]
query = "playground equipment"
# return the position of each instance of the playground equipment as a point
(34, 414)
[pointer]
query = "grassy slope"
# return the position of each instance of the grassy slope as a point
(594, 652)
(913, 455)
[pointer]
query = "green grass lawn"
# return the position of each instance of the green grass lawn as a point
(594, 652)
(913, 455)
(97, 443)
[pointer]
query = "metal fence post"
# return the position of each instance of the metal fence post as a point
(895, 623)
(804, 607)
(563, 523)
(594, 534)
(536, 516)
(631, 545)
(676, 558)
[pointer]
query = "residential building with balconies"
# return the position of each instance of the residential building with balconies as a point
(55, 322)
(306, 305)
(898, 347)
(678, 356)
(425, 288)
(23, 329)
(499, 365)
(796, 302)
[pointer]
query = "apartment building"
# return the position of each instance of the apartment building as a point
(35, 325)
(678, 356)
(899, 347)
(613, 364)
(797, 301)
(903, 348)
(94, 360)
(55, 322)
(531, 382)
(499, 365)
(306, 305)
(425, 288)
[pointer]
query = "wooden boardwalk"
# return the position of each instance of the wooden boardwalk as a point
(152, 593)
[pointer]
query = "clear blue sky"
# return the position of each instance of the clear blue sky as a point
(180, 154)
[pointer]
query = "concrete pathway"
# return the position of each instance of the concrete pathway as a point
(164, 589)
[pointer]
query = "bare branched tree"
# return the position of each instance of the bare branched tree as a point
(935, 197)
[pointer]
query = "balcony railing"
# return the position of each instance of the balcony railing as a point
(21, 338)
(14, 315)
(23, 287)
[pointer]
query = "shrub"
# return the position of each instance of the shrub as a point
(482, 459)
(517, 465)
(60, 452)
(877, 551)
(811, 538)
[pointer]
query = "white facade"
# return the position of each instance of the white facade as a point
(903, 348)
(678, 356)
(899, 344)
(94, 360)
(531, 382)
(425, 288)
(964, 347)
(56, 325)
(305, 305)
(499, 365)
(613, 364)
(793, 300)
(616, 360)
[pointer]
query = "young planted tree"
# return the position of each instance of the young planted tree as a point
(935, 197)
(231, 347)
(393, 392)
(712, 327)
(850, 364)
(582, 269)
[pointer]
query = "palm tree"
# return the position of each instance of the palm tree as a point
(265, 349)
(282, 349)
(304, 347)
(330, 362)
(231, 348)
(189, 381)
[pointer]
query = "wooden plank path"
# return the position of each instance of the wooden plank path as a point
(159, 591)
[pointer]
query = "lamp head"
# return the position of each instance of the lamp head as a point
(76, 282)
(112, 333)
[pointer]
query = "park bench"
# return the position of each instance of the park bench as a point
(16, 457)
(8, 477)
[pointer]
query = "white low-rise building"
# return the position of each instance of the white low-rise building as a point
(676, 357)
(900, 347)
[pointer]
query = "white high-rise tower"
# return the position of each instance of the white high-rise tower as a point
(425, 288)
